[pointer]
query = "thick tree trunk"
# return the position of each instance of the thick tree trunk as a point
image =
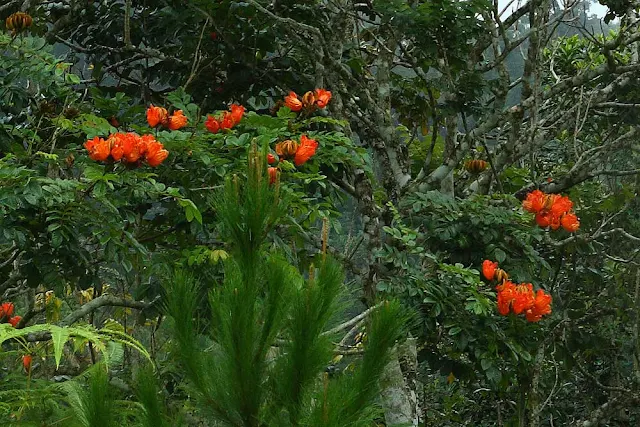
(400, 397)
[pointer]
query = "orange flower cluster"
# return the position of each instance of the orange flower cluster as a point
(16, 22)
(552, 210)
(309, 101)
(129, 148)
(228, 119)
(290, 149)
(158, 116)
(519, 298)
(299, 152)
(6, 314)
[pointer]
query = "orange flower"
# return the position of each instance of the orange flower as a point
(271, 159)
(561, 205)
(322, 97)
(227, 121)
(541, 306)
(286, 149)
(212, 124)
(26, 362)
(305, 151)
(15, 320)
(489, 269)
(237, 111)
(293, 102)
(523, 298)
(506, 295)
(6, 309)
(177, 121)
(534, 201)
(117, 151)
(543, 219)
(131, 147)
(273, 174)
(570, 222)
(144, 142)
(155, 153)
(98, 149)
(157, 116)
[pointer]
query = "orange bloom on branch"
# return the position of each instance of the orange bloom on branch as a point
(543, 219)
(534, 201)
(129, 148)
(98, 149)
(157, 116)
(26, 362)
(523, 298)
(155, 153)
(322, 97)
(552, 210)
(15, 320)
(271, 159)
(305, 151)
(293, 102)
(6, 309)
(561, 205)
(212, 124)
(541, 306)
(227, 121)
(177, 120)
(570, 222)
(237, 111)
(489, 269)
(506, 295)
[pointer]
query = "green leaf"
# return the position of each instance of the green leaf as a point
(455, 330)
(486, 364)
(500, 255)
(56, 239)
(59, 337)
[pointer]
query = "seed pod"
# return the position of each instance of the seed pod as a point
(475, 166)
(308, 99)
(286, 149)
(501, 275)
(47, 107)
(71, 112)
(18, 22)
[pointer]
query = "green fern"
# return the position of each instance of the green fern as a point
(60, 335)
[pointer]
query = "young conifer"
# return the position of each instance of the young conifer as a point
(262, 362)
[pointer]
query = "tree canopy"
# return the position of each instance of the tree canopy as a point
(254, 213)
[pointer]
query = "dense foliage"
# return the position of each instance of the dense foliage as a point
(319, 213)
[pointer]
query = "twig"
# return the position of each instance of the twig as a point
(350, 323)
